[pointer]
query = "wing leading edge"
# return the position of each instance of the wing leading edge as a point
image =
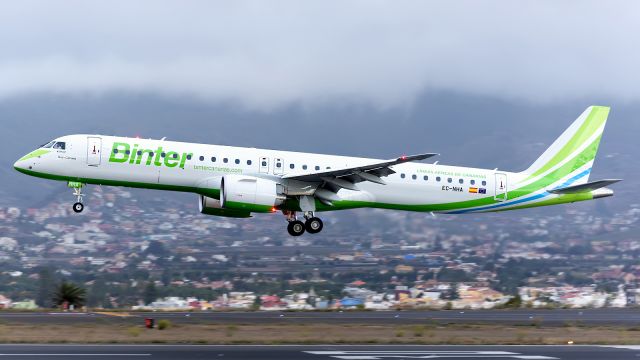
(331, 181)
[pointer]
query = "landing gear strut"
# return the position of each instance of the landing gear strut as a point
(77, 192)
(312, 224)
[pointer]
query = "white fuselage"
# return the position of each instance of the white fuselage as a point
(91, 159)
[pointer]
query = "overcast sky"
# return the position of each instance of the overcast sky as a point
(265, 55)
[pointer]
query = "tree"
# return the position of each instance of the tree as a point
(157, 248)
(451, 294)
(513, 303)
(70, 294)
(97, 293)
(150, 293)
(46, 287)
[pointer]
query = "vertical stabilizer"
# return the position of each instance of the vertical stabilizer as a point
(571, 156)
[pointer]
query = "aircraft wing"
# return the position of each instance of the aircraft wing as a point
(335, 179)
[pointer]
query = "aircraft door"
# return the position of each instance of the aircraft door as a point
(94, 148)
(501, 187)
(264, 165)
(278, 166)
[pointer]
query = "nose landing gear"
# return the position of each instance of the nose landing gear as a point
(77, 192)
(78, 207)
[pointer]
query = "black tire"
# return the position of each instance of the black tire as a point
(295, 228)
(78, 207)
(313, 225)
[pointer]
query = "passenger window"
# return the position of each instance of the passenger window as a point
(201, 158)
(449, 180)
(128, 152)
(291, 166)
(59, 145)
(414, 176)
(402, 176)
(484, 183)
(278, 165)
(164, 155)
(264, 163)
(304, 167)
(140, 153)
(425, 178)
(438, 178)
(317, 167)
(473, 182)
(225, 160)
(175, 156)
(188, 156)
(461, 181)
(213, 159)
(115, 151)
(248, 162)
(237, 161)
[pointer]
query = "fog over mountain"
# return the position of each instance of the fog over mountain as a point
(488, 84)
(467, 130)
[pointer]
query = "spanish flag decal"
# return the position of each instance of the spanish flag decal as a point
(473, 190)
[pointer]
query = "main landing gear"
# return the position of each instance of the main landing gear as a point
(77, 192)
(312, 224)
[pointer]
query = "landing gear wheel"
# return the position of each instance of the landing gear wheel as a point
(78, 207)
(313, 225)
(295, 228)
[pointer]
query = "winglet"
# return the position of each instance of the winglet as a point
(407, 158)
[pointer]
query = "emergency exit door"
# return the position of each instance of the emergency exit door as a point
(264, 165)
(278, 166)
(94, 149)
(501, 187)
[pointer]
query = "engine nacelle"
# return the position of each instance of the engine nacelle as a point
(250, 193)
(211, 206)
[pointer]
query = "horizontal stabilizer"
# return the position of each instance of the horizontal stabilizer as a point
(587, 187)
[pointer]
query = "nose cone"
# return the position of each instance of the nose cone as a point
(20, 165)
(25, 163)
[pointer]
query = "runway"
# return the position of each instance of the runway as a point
(625, 317)
(328, 352)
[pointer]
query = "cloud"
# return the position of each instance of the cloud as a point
(264, 55)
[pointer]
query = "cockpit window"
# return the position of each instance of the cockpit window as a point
(60, 145)
(48, 145)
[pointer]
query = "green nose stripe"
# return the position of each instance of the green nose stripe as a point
(34, 153)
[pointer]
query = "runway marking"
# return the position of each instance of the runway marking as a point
(627, 347)
(71, 354)
(435, 354)
(112, 313)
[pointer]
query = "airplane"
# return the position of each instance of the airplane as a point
(238, 181)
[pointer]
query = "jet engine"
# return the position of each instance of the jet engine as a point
(211, 206)
(250, 193)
